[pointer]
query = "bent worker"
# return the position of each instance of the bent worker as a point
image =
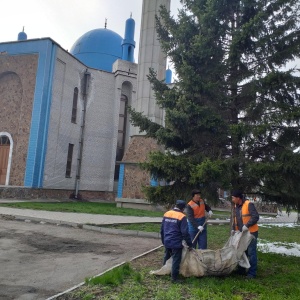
(246, 218)
(196, 209)
(173, 231)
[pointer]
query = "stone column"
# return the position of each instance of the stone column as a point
(150, 56)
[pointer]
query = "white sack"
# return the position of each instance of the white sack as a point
(219, 262)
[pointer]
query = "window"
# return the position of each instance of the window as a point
(69, 160)
(122, 128)
(74, 107)
(121, 132)
(4, 158)
(4, 140)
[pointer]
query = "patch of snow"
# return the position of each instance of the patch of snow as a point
(292, 249)
(289, 225)
(267, 218)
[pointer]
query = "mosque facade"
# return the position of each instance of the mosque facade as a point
(63, 122)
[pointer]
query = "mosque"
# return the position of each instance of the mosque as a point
(64, 129)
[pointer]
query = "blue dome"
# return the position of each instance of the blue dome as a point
(98, 48)
(22, 36)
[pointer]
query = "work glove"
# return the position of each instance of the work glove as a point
(232, 232)
(200, 228)
(210, 213)
(245, 228)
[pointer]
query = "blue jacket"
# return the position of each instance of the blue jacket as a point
(174, 229)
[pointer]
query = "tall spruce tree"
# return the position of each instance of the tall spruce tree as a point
(232, 115)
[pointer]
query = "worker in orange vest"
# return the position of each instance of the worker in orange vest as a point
(196, 213)
(173, 232)
(246, 218)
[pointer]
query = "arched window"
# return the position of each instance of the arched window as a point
(121, 132)
(4, 157)
(4, 140)
(122, 127)
(74, 107)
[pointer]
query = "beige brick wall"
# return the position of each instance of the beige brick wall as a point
(17, 86)
(135, 178)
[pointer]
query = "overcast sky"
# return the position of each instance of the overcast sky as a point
(66, 20)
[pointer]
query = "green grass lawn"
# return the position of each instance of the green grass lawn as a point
(277, 279)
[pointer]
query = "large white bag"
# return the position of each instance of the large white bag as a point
(219, 262)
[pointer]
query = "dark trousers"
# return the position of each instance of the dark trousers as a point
(201, 240)
(176, 255)
(252, 256)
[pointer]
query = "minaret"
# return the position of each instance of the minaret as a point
(128, 43)
(150, 56)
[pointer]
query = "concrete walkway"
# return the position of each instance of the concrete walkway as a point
(81, 219)
(283, 218)
(75, 218)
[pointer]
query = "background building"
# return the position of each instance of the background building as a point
(63, 123)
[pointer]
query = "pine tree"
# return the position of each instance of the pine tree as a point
(232, 115)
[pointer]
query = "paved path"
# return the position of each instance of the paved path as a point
(97, 219)
(76, 218)
(42, 260)
(283, 218)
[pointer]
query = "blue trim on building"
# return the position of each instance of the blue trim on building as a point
(153, 182)
(168, 76)
(40, 116)
(121, 180)
(46, 50)
(47, 106)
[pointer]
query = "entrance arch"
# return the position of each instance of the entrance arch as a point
(6, 146)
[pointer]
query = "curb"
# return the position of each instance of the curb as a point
(88, 227)
(43, 220)
(122, 231)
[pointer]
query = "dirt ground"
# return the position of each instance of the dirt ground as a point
(142, 264)
(40, 260)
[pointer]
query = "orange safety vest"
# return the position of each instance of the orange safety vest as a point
(199, 210)
(176, 215)
(246, 216)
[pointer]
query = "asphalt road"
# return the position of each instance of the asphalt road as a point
(41, 260)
